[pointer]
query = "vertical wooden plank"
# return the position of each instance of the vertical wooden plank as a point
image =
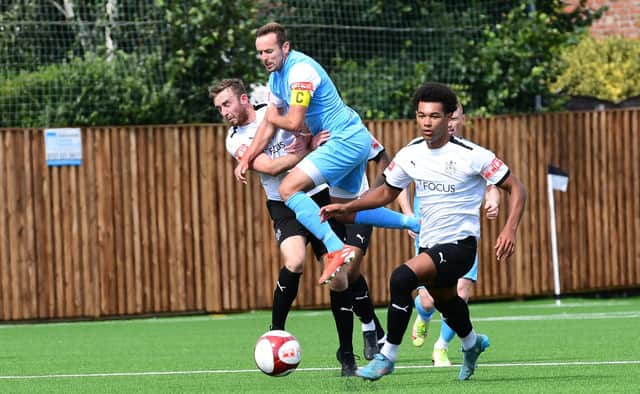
(188, 222)
(126, 275)
(603, 175)
(224, 187)
(528, 176)
(42, 234)
(209, 153)
(154, 138)
(175, 243)
(627, 203)
(135, 247)
(72, 243)
(30, 294)
(117, 158)
(105, 206)
(5, 260)
(144, 144)
(161, 201)
(590, 160)
(616, 160)
(16, 310)
(634, 171)
(197, 213)
(89, 219)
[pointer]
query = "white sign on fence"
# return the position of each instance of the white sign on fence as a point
(63, 147)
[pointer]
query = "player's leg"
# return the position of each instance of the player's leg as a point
(402, 282)
(342, 310)
(454, 309)
(424, 311)
(441, 346)
(291, 237)
(340, 297)
(358, 236)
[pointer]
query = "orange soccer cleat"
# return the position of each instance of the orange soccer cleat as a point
(334, 262)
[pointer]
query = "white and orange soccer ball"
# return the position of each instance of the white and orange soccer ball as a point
(277, 353)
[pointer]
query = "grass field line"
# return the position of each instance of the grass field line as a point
(250, 316)
(227, 371)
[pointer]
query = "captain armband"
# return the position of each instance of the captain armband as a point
(301, 93)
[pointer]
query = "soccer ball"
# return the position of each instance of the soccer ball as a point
(277, 353)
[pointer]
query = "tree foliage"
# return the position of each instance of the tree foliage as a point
(608, 69)
(512, 63)
(208, 40)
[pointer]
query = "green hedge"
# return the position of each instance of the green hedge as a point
(95, 91)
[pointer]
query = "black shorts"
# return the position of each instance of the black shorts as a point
(452, 260)
(286, 225)
(358, 235)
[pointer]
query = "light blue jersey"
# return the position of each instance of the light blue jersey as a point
(341, 161)
(326, 111)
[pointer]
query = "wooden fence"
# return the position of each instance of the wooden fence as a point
(153, 221)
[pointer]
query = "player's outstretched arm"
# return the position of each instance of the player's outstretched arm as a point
(374, 198)
(260, 141)
(505, 244)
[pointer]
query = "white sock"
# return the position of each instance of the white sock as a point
(440, 344)
(382, 340)
(390, 351)
(469, 341)
(369, 326)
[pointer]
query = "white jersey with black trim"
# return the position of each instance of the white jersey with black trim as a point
(239, 138)
(450, 183)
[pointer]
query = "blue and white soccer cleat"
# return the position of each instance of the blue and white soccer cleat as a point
(377, 368)
(470, 357)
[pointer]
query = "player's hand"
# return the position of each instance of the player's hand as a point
(300, 144)
(332, 210)
(412, 234)
(240, 171)
(320, 139)
(491, 209)
(505, 244)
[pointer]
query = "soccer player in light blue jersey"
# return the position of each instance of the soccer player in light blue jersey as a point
(303, 97)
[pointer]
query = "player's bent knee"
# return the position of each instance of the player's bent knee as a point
(403, 279)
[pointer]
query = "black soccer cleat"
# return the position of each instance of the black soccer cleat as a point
(370, 344)
(348, 362)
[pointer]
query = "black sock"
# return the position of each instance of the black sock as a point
(379, 329)
(283, 296)
(456, 313)
(343, 316)
(403, 280)
(362, 305)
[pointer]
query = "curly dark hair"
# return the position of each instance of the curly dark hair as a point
(434, 92)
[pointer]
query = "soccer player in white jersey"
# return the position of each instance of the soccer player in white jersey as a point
(231, 100)
(301, 94)
(423, 301)
(450, 176)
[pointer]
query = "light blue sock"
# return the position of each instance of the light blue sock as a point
(387, 218)
(308, 213)
(446, 332)
(424, 315)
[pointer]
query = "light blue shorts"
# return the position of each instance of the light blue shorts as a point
(341, 161)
